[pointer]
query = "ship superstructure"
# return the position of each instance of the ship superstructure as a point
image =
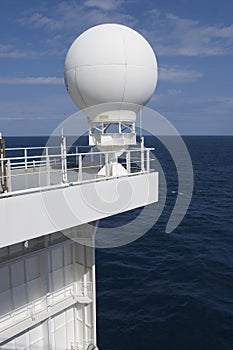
(49, 216)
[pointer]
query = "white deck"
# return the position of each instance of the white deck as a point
(47, 193)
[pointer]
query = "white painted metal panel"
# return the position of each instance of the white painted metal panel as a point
(19, 296)
(60, 331)
(4, 278)
(68, 207)
(6, 302)
(33, 339)
(17, 273)
(69, 274)
(70, 326)
(30, 290)
(32, 268)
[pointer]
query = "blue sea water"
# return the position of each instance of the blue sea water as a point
(173, 291)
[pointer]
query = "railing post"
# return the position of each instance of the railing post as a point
(63, 159)
(2, 169)
(3, 165)
(148, 160)
(9, 182)
(76, 155)
(47, 165)
(142, 155)
(107, 172)
(80, 168)
(128, 167)
(25, 159)
(92, 157)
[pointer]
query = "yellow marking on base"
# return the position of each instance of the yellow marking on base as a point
(103, 117)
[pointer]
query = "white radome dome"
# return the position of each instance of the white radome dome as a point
(110, 63)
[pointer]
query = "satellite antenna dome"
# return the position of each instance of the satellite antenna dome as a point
(110, 63)
(110, 71)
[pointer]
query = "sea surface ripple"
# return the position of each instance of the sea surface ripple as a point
(175, 291)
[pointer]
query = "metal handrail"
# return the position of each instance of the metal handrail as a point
(63, 164)
(75, 154)
(31, 309)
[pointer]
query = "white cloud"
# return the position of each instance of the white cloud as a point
(38, 20)
(104, 4)
(69, 17)
(59, 25)
(175, 36)
(177, 74)
(195, 115)
(31, 81)
(9, 51)
(169, 34)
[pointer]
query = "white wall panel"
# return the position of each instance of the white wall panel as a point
(69, 274)
(32, 268)
(22, 342)
(68, 254)
(25, 279)
(17, 273)
(79, 272)
(88, 315)
(9, 346)
(70, 326)
(35, 289)
(58, 279)
(78, 212)
(89, 256)
(19, 296)
(60, 331)
(57, 258)
(6, 302)
(79, 256)
(4, 278)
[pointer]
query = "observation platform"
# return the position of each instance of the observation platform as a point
(48, 189)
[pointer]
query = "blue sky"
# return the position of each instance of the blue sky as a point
(193, 41)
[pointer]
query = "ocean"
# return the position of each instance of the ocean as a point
(175, 291)
(172, 291)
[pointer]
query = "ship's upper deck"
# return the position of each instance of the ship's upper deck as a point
(51, 188)
(32, 169)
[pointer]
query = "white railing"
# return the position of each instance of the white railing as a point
(86, 345)
(45, 304)
(63, 166)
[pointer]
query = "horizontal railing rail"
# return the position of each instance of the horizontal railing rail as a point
(35, 307)
(24, 173)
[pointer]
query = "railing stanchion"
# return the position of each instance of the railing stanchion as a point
(142, 154)
(128, 167)
(148, 160)
(47, 165)
(9, 182)
(25, 158)
(63, 159)
(92, 157)
(107, 165)
(80, 168)
(76, 155)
